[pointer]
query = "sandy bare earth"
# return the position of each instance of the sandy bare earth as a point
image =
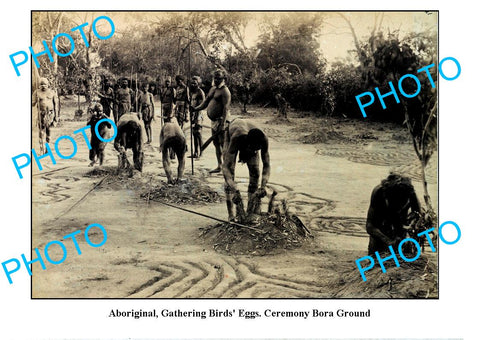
(155, 251)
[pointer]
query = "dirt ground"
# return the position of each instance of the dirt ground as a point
(155, 251)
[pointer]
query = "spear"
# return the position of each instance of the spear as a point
(189, 102)
(136, 93)
(131, 80)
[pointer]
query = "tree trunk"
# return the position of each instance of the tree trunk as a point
(426, 195)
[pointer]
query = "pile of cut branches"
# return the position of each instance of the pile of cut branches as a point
(259, 234)
(418, 279)
(191, 191)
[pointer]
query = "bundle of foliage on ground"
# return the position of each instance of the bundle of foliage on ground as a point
(412, 280)
(191, 191)
(153, 188)
(258, 233)
(270, 233)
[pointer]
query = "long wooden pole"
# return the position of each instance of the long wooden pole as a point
(189, 102)
(210, 217)
(136, 92)
(131, 85)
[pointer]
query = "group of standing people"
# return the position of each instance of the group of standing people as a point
(176, 102)
(125, 100)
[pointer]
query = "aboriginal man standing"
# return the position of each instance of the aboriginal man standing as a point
(217, 103)
(145, 100)
(167, 98)
(246, 140)
(47, 102)
(198, 96)
(182, 100)
(124, 98)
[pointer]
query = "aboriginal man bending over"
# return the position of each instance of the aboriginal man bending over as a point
(245, 139)
(172, 137)
(389, 208)
(217, 103)
(129, 136)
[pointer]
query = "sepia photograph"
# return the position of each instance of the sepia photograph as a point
(238, 155)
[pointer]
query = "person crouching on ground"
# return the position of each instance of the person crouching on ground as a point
(389, 208)
(172, 137)
(245, 139)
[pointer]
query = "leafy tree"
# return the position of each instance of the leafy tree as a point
(244, 77)
(45, 26)
(346, 80)
(292, 41)
(393, 58)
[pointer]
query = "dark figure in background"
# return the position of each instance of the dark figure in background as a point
(116, 87)
(129, 136)
(145, 102)
(47, 104)
(167, 98)
(182, 101)
(172, 138)
(134, 97)
(152, 88)
(389, 208)
(106, 97)
(245, 139)
(98, 146)
(198, 96)
(124, 99)
(217, 104)
(282, 105)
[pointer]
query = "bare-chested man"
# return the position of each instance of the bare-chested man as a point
(47, 104)
(106, 97)
(217, 103)
(389, 207)
(172, 137)
(245, 139)
(145, 102)
(124, 98)
(182, 100)
(167, 98)
(198, 96)
(129, 136)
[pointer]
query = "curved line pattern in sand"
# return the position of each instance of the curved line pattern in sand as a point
(400, 161)
(350, 226)
(225, 278)
(55, 191)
